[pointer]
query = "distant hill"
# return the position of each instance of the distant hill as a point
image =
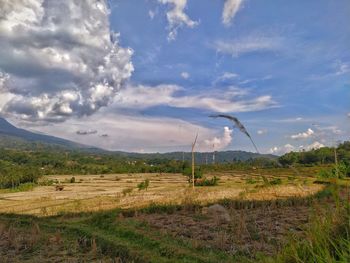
(13, 137)
(201, 157)
(21, 139)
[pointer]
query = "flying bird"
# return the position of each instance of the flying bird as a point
(237, 124)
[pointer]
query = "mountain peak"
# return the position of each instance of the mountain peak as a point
(5, 126)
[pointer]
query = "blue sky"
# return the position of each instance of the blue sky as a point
(281, 67)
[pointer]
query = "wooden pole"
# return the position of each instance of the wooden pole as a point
(193, 145)
(336, 161)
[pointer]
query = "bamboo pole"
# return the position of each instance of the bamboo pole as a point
(193, 145)
(336, 161)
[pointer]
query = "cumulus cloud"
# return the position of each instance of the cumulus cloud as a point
(217, 143)
(312, 146)
(185, 75)
(248, 44)
(288, 148)
(231, 7)
(60, 59)
(177, 17)
(88, 132)
(282, 150)
(303, 135)
(231, 100)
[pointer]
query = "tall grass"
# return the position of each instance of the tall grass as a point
(326, 239)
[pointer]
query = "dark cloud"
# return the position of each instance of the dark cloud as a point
(88, 132)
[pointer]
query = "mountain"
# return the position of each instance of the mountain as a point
(13, 137)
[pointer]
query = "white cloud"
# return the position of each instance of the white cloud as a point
(225, 76)
(338, 68)
(303, 135)
(131, 132)
(341, 68)
(288, 148)
(252, 43)
(282, 150)
(216, 143)
(261, 132)
(141, 97)
(61, 58)
(177, 17)
(231, 7)
(151, 14)
(185, 75)
(314, 145)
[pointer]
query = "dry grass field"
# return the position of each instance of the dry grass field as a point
(106, 218)
(102, 192)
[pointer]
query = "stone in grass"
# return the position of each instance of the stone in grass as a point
(218, 212)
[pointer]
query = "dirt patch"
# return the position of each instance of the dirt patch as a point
(261, 229)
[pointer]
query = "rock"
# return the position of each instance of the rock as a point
(218, 212)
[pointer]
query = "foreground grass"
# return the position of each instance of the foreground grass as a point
(126, 235)
(326, 239)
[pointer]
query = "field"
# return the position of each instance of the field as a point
(106, 218)
(101, 192)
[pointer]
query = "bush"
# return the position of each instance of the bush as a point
(207, 182)
(197, 173)
(46, 182)
(72, 180)
(338, 171)
(325, 174)
(143, 185)
(276, 181)
(250, 180)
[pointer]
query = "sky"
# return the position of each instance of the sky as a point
(144, 75)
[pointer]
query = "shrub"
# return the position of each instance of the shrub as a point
(46, 182)
(325, 174)
(338, 171)
(276, 181)
(143, 185)
(197, 173)
(72, 180)
(250, 180)
(207, 182)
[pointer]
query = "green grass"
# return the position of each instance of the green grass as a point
(326, 239)
(20, 188)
